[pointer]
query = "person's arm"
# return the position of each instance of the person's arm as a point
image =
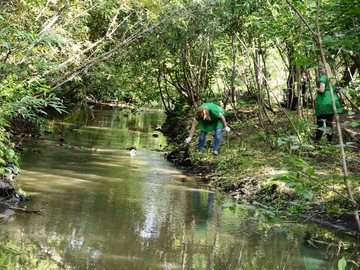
(321, 89)
(223, 120)
(193, 127)
(192, 131)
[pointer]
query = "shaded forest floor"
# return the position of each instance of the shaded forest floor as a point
(272, 169)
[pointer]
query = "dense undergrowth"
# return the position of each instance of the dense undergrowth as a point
(274, 171)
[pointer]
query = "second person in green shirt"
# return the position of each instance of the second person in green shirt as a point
(323, 106)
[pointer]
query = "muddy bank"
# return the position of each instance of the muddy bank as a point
(10, 194)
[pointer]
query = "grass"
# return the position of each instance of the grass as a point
(311, 175)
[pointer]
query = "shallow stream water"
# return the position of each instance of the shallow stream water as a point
(104, 209)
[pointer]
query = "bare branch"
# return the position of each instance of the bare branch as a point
(102, 57)
(111, 30)
(42, 33)
(41, 12)
(26, 210)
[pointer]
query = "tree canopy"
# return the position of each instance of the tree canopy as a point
(171, 54)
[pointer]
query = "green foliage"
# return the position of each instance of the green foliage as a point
(293, 182)
(7, 153)
(292, 145)
(342, 264)
(29, 107)
(299, 176)
(23, 99)
(188, 51)
(264, 215)
(184, 55)
(28, 256)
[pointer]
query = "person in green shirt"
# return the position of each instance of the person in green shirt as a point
(209, 117)
(323, 106)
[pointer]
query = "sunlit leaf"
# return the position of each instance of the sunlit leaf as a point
(2, 162)
(307, 195)
(307, 146)
(342, 264)
(354, 124)
(310, 171)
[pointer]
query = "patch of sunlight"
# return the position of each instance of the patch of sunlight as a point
(96, 128)
(116, 257)
(36, 193)
(117, 165)
(49, 181)
(81, 177)
(167, 170)
(107, 150)
(177, 187)
(274, 172)
(167, 265)
(54, 178)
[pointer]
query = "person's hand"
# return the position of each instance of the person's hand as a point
(188, 139)
(227, 129)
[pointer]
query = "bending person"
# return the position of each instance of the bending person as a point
(209, 117)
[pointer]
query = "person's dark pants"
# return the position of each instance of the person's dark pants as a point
(328, 118)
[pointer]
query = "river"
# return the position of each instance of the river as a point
(105, 209)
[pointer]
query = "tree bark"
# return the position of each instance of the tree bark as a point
(234, 66)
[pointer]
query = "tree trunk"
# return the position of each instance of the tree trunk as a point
(187, 81)
(348, 75)
(234, 66)
(265, 74)
(160, 90)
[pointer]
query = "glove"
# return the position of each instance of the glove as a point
(227, 129)
(188, 139)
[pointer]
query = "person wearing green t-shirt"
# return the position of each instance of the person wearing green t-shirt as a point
(209, 117)
(323, 106)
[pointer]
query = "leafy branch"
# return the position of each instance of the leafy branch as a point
(318, 37)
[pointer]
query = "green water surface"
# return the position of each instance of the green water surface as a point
(103, 209)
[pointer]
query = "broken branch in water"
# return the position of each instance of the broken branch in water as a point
(26, 210)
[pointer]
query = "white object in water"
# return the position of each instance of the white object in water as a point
(133, 152)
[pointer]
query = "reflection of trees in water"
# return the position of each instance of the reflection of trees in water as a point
(250, 246)
(199, 208)
(140, 216)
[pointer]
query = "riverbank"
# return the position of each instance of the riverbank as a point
(273, 170)
(269, 170)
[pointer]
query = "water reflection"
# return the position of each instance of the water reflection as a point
(106, 210)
